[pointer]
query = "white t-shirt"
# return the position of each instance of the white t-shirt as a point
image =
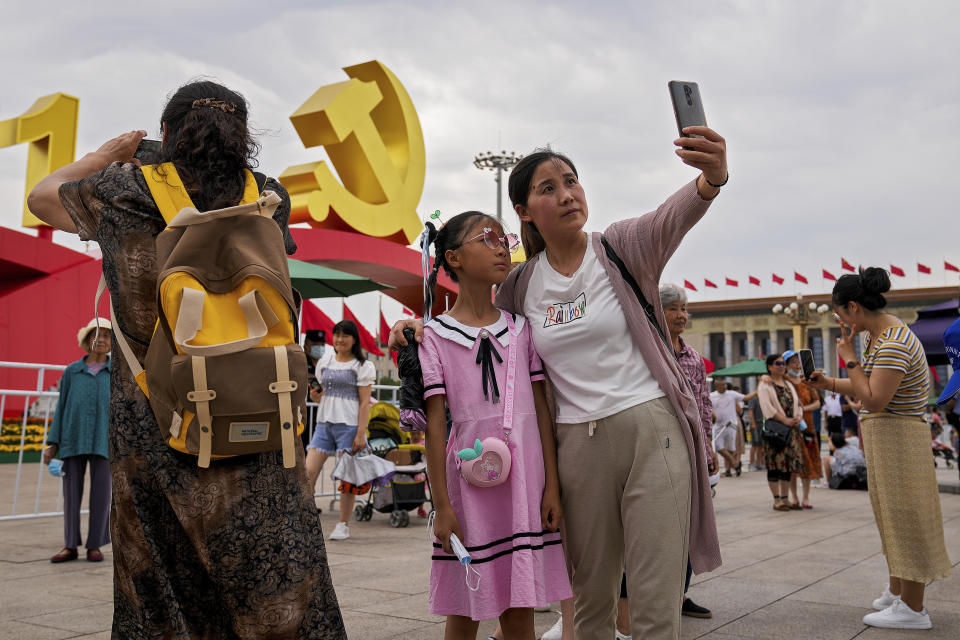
(832, 404)
(581, 334)
(725, 405)
(340, 403)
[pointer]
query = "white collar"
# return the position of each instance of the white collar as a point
(447, 327)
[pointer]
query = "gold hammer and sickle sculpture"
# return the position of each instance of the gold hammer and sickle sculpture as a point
(372, 135)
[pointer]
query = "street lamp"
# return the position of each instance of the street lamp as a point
(498, 162)
(800, 316)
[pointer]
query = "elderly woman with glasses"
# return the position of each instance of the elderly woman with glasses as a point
(779, 403)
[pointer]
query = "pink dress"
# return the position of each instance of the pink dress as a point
(520, 563)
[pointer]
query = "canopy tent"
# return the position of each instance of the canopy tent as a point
(929, 327)
(314, 281)
(751, 367)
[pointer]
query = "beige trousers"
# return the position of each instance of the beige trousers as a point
(625, 483)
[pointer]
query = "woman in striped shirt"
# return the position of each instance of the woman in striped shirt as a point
(892, 385)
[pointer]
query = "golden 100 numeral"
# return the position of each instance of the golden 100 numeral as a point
(50, 127)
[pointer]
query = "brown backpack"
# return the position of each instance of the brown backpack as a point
(225, 374)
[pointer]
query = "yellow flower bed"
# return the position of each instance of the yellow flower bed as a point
(10, 436)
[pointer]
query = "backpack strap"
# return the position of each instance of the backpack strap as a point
(283, 387)
(648, 309)
(170, 194)
(202, 396)
(139, 375)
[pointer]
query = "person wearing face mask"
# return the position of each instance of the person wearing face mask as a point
(892, 383)
(78, 439)
(809, 402)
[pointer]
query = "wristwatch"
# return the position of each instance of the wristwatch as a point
(853, 364)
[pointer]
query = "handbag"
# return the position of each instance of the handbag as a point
(487, 464)
(776, 434)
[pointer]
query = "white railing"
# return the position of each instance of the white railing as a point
(42, 404)
(38, 403)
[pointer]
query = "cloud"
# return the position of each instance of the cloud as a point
(838, 116)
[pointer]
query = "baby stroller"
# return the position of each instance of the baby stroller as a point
(407, 489)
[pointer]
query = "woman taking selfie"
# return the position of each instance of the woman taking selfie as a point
(892, 384)
(781, 411)
(631, 454)
(233, 550)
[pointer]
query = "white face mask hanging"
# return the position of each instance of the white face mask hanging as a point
(461, 552)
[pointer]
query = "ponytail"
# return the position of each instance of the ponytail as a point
(448, 237)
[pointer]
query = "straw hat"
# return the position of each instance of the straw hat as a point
(84, 332)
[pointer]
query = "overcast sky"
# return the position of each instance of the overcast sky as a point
(840, 117)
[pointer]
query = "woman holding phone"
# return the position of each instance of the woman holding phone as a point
(234, 550)
(632, 458)
(892, 384)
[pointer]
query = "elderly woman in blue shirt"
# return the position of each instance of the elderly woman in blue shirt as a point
(78, 437)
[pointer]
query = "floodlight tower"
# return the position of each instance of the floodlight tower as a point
(498, 162)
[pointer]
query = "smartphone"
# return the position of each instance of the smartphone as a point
(147, 151)
(806, 361)
(687, 106)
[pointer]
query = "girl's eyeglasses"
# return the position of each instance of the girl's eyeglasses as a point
(490, 238)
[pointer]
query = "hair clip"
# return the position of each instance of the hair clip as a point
(213, 104)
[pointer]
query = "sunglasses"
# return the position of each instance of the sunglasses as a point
(779, 363)
(490, 238)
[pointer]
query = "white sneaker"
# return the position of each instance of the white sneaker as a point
(555, 632)
(340, 532)
(885, 600)
(620, 636)
(899, 615)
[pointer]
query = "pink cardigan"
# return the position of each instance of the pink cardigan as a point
(645, 244)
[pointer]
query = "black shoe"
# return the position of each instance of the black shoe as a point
(727, 474)
(692, 609)
(739, 468)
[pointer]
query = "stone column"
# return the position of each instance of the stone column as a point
(727, 348)
(830, 362)
(773, 342)
(706, 347)
(751, 344)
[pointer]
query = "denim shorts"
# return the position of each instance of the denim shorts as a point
(333, 437)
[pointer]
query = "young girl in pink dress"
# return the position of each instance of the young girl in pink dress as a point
(494, 480)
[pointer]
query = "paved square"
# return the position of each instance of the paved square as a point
(805, 575)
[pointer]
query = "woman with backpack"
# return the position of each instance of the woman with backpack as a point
(631, 455)
(234, 549)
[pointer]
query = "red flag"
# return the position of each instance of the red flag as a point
(800, 278)
(949, 267)
(732, 283)
(755, 281)
(828, 276)
(843, 365)
(708, 365)
(367, 341)
(689, 285)
(707, 283)
(408, 312)
(777, 279)
(933, 372)
(314, 319)
(897, 271)
(384, 330)
(922, 268)
(846, 265)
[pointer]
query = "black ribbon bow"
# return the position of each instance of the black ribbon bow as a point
(485, 355)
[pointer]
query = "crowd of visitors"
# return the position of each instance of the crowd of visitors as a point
(570, 438)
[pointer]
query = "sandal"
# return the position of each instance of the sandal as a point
(780, 506)
(806, 505)
(795, 506)
(65, 556)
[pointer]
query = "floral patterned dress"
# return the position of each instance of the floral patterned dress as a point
(790, 458)
(811, 440)
(234, 551)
